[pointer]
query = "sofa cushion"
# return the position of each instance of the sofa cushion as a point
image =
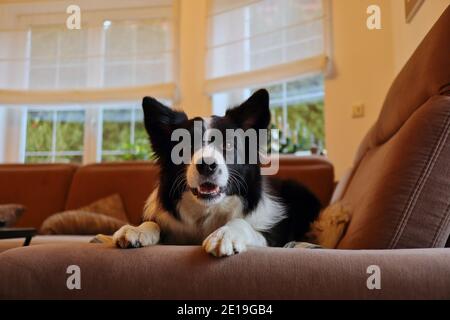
(41, 188)
(185, 272)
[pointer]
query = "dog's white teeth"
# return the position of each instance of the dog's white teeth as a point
(208, 189)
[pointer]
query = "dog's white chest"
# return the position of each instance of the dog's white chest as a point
(208, 218)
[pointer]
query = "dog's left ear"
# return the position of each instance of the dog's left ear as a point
(253, 113)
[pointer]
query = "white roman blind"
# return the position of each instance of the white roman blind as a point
(123, 51)
(254, 42)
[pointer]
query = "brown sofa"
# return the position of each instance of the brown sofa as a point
(184, 272)
(50, 188)
(397, 194)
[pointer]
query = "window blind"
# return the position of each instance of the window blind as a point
(123, 51)
(260, 41)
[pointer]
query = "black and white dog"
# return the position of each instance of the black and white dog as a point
(226, 206)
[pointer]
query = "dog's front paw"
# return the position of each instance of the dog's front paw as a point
(136, 237)
(224, 242)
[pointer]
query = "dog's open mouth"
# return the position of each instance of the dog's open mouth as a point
(206, 190)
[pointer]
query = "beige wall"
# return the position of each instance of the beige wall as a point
(366, 63)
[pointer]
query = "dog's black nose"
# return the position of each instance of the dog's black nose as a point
(207, 166)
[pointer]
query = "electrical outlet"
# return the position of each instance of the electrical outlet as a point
(358, 111)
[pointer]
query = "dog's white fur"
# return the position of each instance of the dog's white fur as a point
(221, 228)
(208, 152)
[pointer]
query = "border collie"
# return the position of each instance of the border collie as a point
(224, 205)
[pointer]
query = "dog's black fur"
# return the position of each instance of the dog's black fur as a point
(302, 207)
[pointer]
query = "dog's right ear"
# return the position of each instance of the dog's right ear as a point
(159, 117)
(160, 121)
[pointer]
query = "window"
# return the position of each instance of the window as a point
(297, 112)
(122, 52)
(263, 33)
(75, 95)
(280, 45)
(123, 135)
(57, 134)
(54, 135)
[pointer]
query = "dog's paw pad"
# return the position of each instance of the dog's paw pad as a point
(224, 242)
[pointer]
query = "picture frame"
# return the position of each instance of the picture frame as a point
(411, 8)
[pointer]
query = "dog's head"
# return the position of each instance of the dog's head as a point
(210, 157)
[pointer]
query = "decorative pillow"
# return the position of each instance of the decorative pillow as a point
(9, 213)
(102, 216)
(111, 206)
(329, 228)
(80, 222)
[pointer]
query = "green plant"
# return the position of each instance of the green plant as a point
(304, 129)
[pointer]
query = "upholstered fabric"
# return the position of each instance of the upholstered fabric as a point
(42, 189)
(133, 181)
(9, 213)
(177, 272)
(315, 172)
(398, 195)
(399, 188)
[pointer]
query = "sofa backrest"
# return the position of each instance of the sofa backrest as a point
(133, 181)
(399, 191)
(53, 188)
(315, 172)
(42, 189)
